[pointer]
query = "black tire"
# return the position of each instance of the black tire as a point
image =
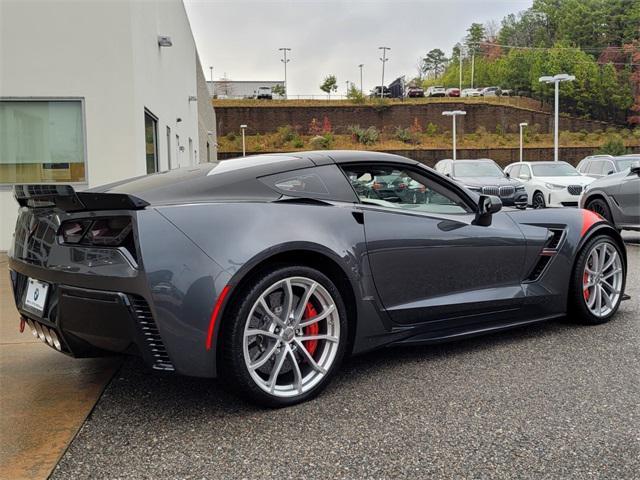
(234, 369)
(600, 207)
(538, 200)
(577, 310)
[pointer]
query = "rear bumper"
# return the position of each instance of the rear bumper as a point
(93, 323)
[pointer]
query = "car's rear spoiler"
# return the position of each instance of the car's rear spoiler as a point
(66, 198)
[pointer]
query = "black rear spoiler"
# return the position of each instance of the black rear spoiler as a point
(66, 198)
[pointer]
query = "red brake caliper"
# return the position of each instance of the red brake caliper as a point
(585, 282)
(312, 329)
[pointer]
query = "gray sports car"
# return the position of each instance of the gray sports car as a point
(268, 270)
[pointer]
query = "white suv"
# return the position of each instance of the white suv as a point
(549, 184)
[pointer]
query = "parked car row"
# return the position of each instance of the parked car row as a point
(614, 194)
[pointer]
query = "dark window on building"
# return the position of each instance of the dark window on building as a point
(151, 141)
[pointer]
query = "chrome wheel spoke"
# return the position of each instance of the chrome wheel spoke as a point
(604, 274)
(309, 358)
(274, 318)
(302, 305)
(328, 338)
(606, 297)
(297, 374)
(288, 302)
(325, 313)
(264, 333)
(275, 372)
(611, 273)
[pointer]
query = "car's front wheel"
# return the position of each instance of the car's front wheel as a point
(598, 280)
(538, 200)
(600, 207)
(286, 336)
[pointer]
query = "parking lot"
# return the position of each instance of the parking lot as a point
(554, 400)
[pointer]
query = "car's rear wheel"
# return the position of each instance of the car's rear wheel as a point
(600, 207)
(598, 282)
(538, 200)
(286, 337)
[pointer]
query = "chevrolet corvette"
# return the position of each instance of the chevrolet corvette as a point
(269, 270)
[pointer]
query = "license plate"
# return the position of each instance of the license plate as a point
(36, 296)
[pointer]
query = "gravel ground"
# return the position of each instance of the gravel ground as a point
(548, 401)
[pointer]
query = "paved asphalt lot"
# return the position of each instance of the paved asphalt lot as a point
(548, 401)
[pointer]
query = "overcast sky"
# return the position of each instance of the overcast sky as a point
(241, 37)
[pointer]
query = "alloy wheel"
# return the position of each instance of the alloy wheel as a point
(291, 336)
(602, 279)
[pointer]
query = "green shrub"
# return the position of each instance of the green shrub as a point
(636, 132)
(321, 142)
(286, 133)
(499, 130)
(403, 134)
(354, 94)
(367, 136)
(565, 137)
(431, 129)
(481, 131)
(625, 133)
(297, 142)
(613, 146)
(231, 136)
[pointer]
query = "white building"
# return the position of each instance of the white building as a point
(225, 88)
(89, 94)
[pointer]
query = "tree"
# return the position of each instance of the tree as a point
(475, 36)
(434, 62)
(354, 94)
(329, 85)
(278, 90)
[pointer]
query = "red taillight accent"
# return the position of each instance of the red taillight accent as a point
(214, 314)
(589, 218)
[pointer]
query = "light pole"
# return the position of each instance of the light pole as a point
(522, 125)
(361, 65)
(211, 70)
(453, 114)
(556, 79)
(346, 92)
(285, 60)
(384, 60)
(244, 146)
(460, 57)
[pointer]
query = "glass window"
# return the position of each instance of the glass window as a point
(555, 169)
(42, 141)
(594, 167)
(169, 148)
(325, 182)
(151, 142)
(402, 188)
(525, 171)
(514, 171)
(462, 169)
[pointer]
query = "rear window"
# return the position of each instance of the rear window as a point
(326, 182)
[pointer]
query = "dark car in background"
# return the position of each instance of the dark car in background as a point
(486, 177)
(269, 270)
(598, 166)
(376, 91)
(616, 197)
(415, 92)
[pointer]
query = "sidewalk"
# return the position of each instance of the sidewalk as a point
(45, 396)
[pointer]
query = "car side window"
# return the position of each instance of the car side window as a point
(399, 187)
(609, 168)
(324, 183)
(595, 167)
(525, 172)
(514, 171)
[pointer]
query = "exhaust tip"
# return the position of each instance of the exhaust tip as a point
(32, 327)
(40, 332)
(55, 340)
(47, 336)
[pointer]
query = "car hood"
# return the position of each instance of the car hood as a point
(610, 180)
(484, 181)
(577, 180)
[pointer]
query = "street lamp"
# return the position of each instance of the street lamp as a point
(346, 93)
(453, 114)
(285, 60)
(522, 125)
(361, 65)
(556, 79)
(244, 147)
(211, 70)
(384, 60)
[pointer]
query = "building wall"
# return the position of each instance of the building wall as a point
(106, 53)
(206, 119)
(265, 119)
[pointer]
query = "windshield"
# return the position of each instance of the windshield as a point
(624, 163)
(559, 169)
(476, 169)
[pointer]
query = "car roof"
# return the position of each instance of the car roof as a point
(460, 160)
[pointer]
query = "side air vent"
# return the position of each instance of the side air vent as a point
(535, 274)
(554, 241)
(152, 338)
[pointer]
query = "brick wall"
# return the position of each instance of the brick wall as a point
(502, 156)
(264, 119)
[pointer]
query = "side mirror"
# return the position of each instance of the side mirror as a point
(610, 172)
(507, 174)
(448, 175)
(635, 168)
(487, 206)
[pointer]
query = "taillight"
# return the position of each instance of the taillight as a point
(73, 231)
(104, 231)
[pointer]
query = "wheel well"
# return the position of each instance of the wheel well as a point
(596, 196)
(307, 258)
